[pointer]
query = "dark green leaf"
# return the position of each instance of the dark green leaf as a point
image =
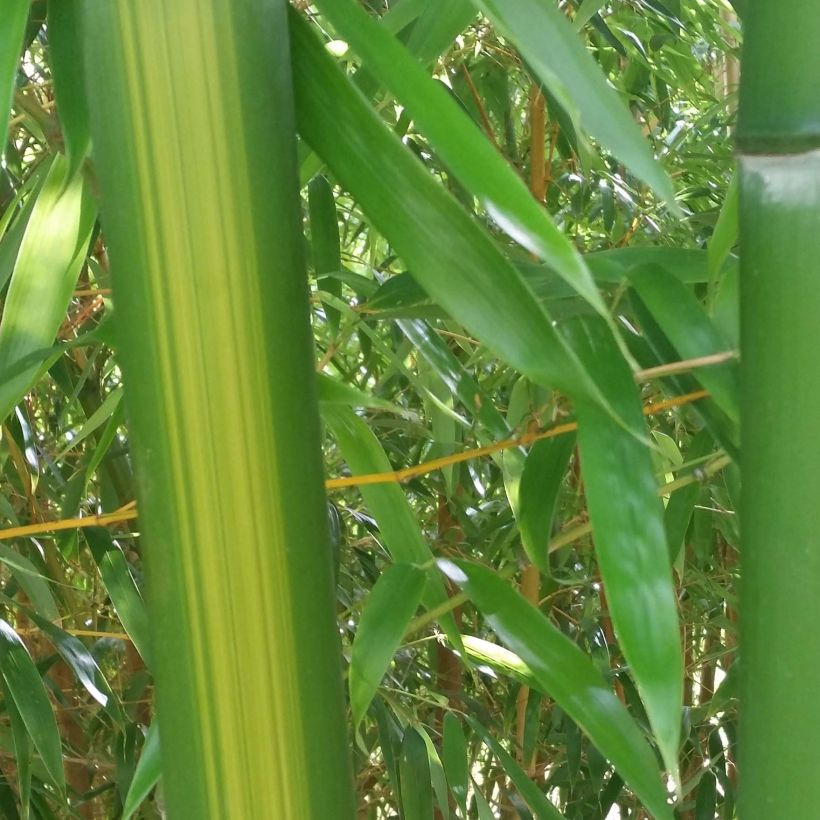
(456, 759)
(630, 541)
(534, 797)
(546, 39)
(387, 612)
(15, 17)
(457, 263)
(568, 676)
(541, 480)
(26, 687)
(416, 788)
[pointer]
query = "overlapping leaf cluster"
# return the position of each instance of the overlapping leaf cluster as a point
(514, 220)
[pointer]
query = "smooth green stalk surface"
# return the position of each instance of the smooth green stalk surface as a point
(780, 305)
(194, 147)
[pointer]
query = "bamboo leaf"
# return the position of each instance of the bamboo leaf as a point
(66, 61)
(456, 262)
(546, 39)
(119, 583)
(690, 330)
(681, 504)
(476, 162)
(398, 527)
(461, 384)
(15, 17)
(23, 750)
(147, 773)
(630, 541)
(25, 685)
(436, 28)
(387, 612)
(567, 675)
(541, 480)
(456, 760)
(414, 770)
(82, 664)
(725, 235)
(438, 780)
(324, 238)
(331, 391)
(534, 797)
(501, 660)
(32, 582)
(48, 263)
(586, 11)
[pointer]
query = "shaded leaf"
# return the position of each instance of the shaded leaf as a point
(546, 39)
(387, 611)
(456, 759)
(567, 675)
(534, 797)
(26, 688)
(414, 768)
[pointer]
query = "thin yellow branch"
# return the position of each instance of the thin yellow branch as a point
(129, 511)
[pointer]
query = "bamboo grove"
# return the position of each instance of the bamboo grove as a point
(373, 376)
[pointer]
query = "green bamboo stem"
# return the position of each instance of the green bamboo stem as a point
(779, 141)
(195, 151)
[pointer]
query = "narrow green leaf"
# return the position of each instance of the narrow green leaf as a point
(533, 796)
(387, 611)
(332, 391)
(82, 664)
(437, 777)
(120, 585)
(681, 504)
(15, 17)
(33, 583)
(147, 773)
(586, 11)
(454, 259)
(66, 62)
(546, 39)
(725, 235)
(324, 238)
(462, 147)
(29, 695)
(541, 479)
(96, 420)
(398, 526)
(456, 760)
(460, 382)
(414, 769)
(389, 738)
(500, 659)
(690, 330)
(435, 30)
(50, 257)
(482, 806)
(401, 14)
(15, 221)
(630, 541)
(564, 672)
(22, 751)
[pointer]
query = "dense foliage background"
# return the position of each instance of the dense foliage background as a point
(459, 731)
